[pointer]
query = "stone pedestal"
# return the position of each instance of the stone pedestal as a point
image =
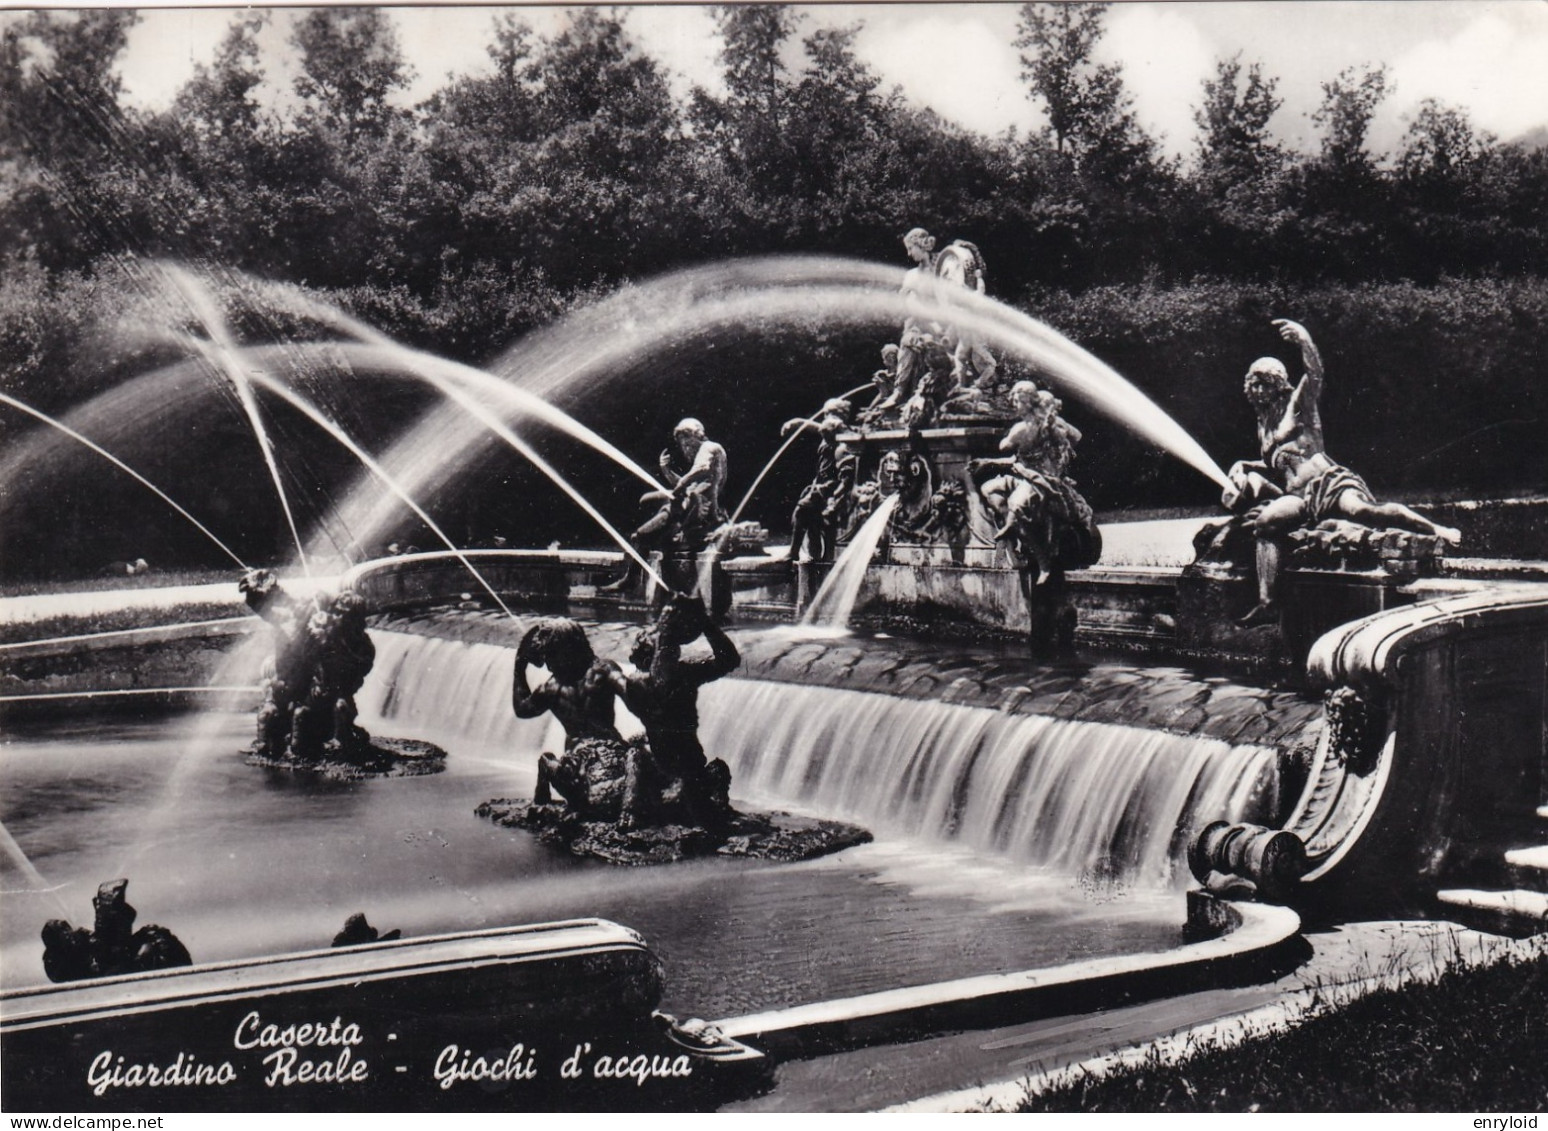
(686, 573)
(1211, 599)
(946, 450)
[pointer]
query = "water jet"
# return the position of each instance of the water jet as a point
(1032, 818)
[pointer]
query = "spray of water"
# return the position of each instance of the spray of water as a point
(498, 427)
(124, 467)
(223, 355)
(581, 356)
(836, 597)
(439, 369)
(707, 563)
(36, 884)
(800, 289)
(795, 433)
(317, 418)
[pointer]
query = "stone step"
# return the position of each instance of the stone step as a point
(1515, 912)
(1496, 569)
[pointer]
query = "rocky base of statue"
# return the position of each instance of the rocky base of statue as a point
(1343, 545)
(1335, 544)
(778, 837)
(376, 757)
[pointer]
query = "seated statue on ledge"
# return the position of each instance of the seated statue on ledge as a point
(1297, 486)
(691, 511)
(1045, 521)
(885, 381)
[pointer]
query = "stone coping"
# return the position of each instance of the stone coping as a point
(92, 999)
(1369, 650)
(891, 1015)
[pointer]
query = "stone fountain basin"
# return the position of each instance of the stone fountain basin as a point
(243, 862)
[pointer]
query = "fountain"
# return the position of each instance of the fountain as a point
(881, 835)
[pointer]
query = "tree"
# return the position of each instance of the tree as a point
(1061, 38)
(65, 142)
(218, 100)
(748, 166)
(1235, 146)
(1348, 104)
(1441, 150)
(1096, 156)
(754, 35)
(350, 66)
(1090, 115)
(58, 87)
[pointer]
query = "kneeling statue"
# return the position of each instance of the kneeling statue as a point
(664, 696)
(580, 690)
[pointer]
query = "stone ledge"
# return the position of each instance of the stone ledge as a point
(978, 1002)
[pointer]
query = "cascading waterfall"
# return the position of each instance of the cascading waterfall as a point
(1075, 798)
(448, 692)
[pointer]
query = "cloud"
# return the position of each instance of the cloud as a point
(1165, 60)
(1496, 68)
(961, 66)
(683, 39)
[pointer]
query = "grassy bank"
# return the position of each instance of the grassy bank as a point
(46, 610)
(1471, 1040)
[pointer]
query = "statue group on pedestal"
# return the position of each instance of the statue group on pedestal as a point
(937, 364)
(322, 655)
(663, 778)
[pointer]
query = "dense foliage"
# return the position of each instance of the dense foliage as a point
(570, 169)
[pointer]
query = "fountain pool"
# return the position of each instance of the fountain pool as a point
(988, 856)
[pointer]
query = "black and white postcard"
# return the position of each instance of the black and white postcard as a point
(803, 558)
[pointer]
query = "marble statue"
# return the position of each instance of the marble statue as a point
(663, 694)
(1042, 515)
(580, 692)
(1297, 485)
(691, 510)
(823, 505)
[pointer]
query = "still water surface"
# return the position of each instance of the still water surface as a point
(242, 861)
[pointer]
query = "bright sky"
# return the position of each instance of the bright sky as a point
(1487, 56)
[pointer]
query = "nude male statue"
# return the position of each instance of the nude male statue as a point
(1298, 482)
(580, 692)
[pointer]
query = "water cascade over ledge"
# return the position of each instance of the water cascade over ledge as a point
(1071, 796)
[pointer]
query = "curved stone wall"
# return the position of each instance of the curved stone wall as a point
(1432, 763)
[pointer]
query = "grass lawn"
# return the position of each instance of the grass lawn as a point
(1475, 1039)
